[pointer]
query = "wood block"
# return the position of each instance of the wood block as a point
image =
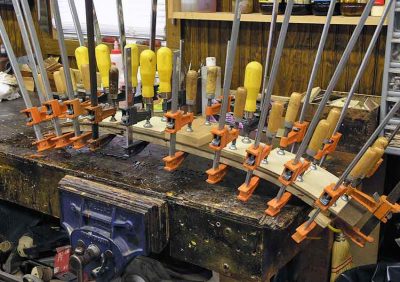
(157, 129)
(200, 136)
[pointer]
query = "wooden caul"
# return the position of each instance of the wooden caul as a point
(196, 143)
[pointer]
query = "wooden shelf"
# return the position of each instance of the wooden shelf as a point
(257, 17)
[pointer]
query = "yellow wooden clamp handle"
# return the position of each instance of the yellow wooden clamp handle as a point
(252, 82)
(381, 142)
(82, 56)
(85, 77)
(364, 164)
(164, 68)
(333, 118)
(320, 134)
(211, 86)
(58, 82)
(275, 117)
(148, 63)
(103, 60)
(293, 108)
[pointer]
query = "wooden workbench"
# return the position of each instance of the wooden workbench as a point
(208, 226)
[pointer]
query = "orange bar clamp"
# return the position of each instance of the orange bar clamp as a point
(296, 135)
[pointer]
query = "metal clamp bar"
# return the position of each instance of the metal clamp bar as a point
(174, 99)
(121, 25)
(77, 23)
(153, 25)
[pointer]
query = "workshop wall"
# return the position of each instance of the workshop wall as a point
(208, 38)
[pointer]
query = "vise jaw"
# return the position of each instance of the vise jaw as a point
(109, 227)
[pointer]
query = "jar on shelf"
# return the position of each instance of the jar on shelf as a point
(245, 5)
(209, 6)
(266, 6)
(301, 7)
(321, 7)
(352, 8)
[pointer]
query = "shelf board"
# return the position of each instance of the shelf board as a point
(257, 17)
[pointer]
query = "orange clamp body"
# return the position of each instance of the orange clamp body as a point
(63, 140)
(258, 154)
(375, 168)
(180, 120)
(292, 171)
(363, 199)
(225, 135)
(275, 205)
(99, 114)
(246, 191)
(46, 143)
(82, 140)
(35, 115)
(332, 195)
(354, 233)
(302, 231)
(56, 109)
(216, 175)
(296, 135)
(173, 162)
(78, 108)
(214, 109)
(330, 147)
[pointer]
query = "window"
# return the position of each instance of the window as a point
(137, 14)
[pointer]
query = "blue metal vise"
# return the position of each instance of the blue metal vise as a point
(109, 227)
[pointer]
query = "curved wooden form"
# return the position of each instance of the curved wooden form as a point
(196, 143)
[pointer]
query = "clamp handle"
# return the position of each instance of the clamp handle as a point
(333, 119)
(363, 165)
(211, 85)
(82, 56)
(275, 119)
(293, 109)
(240, 102)
(113, 78)
(164, 68)
(103, 60)
(252, 82)
(381, 142)
(148, 63)
(85, 77)
(191, 87)
(320, 134)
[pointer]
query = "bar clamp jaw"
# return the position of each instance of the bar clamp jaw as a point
(296, 135)
(97, 114)
(131, 115)
(176, 121)
(214, 109)
(329, 147)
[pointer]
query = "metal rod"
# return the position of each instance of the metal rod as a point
(364, 64)
(97, 32)
(28, 48)
(272, 28)
(393, 134)
(121, 25)
(77, 23)
(128, 90)
(228, 75)
(318, 59)
(65, 62)
(174, 99)
(334, 80)
(39, 57)
(18, 75)
(92, 61)
(153, 25)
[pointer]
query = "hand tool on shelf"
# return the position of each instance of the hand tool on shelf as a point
(148, 63)
(164, 68)
(74, 107)
(257, 151)
(252, 83)
(299, 128)
(290, 119)
(42, 142)
(191, 94)
(96, 113)
(223, 135)
(176, 119)
(238, 111)
(296, 167)
(330, 146)
(103, 60)
(54, 108)
(356, 169)
(211, 87)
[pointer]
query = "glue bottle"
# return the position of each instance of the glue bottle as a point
(116, 58)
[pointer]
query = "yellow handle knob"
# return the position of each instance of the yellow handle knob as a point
(148, 63)
(252, 82)
(41, 85)
(82, 56)
(164, 67)
(58, 82)
(103, 60)
(63, 79)
(191, 87)
(318, 138)
(240, 102)
(364, 164)
(134, 62)
(275, 118)
(293, 109)
(379, 153)
(211, 86)
(85, 77)
(381, 142)
(333, 118)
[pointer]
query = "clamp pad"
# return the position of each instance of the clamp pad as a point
(246, 191)
(216, 175)
(179, 120)
(257, 154)
(63, 140)
(292, 171)
(99, 114)
(75, 108)
(46, 143)
(330, 147)
(330, 195)
(82, 140)
(216, 108)
(35, 115)
(55, 109)
(296, 135)
(225, 136)
(275, 205)
(174, 162)
(302, 231)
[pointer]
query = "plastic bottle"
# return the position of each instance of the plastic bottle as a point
(267, 5)
(116, 58)
(352, 8)
(321, 7)
(301, 7)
